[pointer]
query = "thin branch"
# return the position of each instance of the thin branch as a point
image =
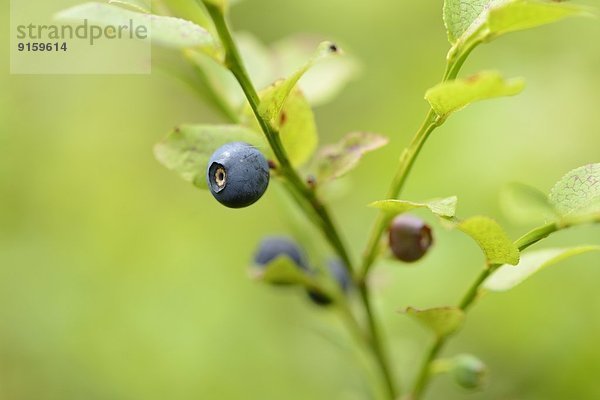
(304, 196)
(468, 300)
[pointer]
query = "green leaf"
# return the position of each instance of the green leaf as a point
(506, 277)
(190, 10)
(296, 126)
(257, 59)
(273, 100)
(135, 5)
(525, 14)
(283, 271)
(483, 20)
(495, 243)
(164, 31)
(448, 97)
(445, 207)
(188, 148)
(219, 78)
(207, 78)
(460, 14)
(525, 204)
(578, 192)
(319, 84)
(336, 160)
(325, 79)
(443, 321)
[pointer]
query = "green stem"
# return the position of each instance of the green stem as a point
(302, 194)
(471, 294)
(456, 62)
(408, 158)
(425, 371)
(469, 299)
(234, 62)
(377, 344)
(537, 234)
(366, 348)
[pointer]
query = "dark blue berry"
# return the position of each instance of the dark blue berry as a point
(409, 238)
(339, 272)
(276, 246)
(319, 298)
(237, 174)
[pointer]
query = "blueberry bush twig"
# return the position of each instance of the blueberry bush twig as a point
(272, 132)
(468, 299)
(234, 62)
(300, 191)
(407, 160)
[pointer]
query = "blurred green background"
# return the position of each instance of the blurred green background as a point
(120, 281)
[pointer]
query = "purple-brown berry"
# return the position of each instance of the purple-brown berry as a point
(409, 238)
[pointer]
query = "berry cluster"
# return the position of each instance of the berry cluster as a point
(238, 175)
(275, 247)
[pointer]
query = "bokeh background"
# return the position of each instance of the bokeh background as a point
(120, 281)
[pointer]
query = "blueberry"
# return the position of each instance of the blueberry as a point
(318, 297)
(469, 372)
(237, 174)
(409, 238)
(338, 271)
(276, 246)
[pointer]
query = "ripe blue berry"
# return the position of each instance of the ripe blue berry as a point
(276, 246)
(409, 238)
(339, 272)
(237, 174)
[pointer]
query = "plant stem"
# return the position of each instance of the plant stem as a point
(234, 62)
(537, 234)
(425, 371)
(366, 347)
(471, 294)
(304, 196)
(408, 158)
(456, 62)
(377, 343)
(469, 299)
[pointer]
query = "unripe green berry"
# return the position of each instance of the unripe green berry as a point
(469, 372)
